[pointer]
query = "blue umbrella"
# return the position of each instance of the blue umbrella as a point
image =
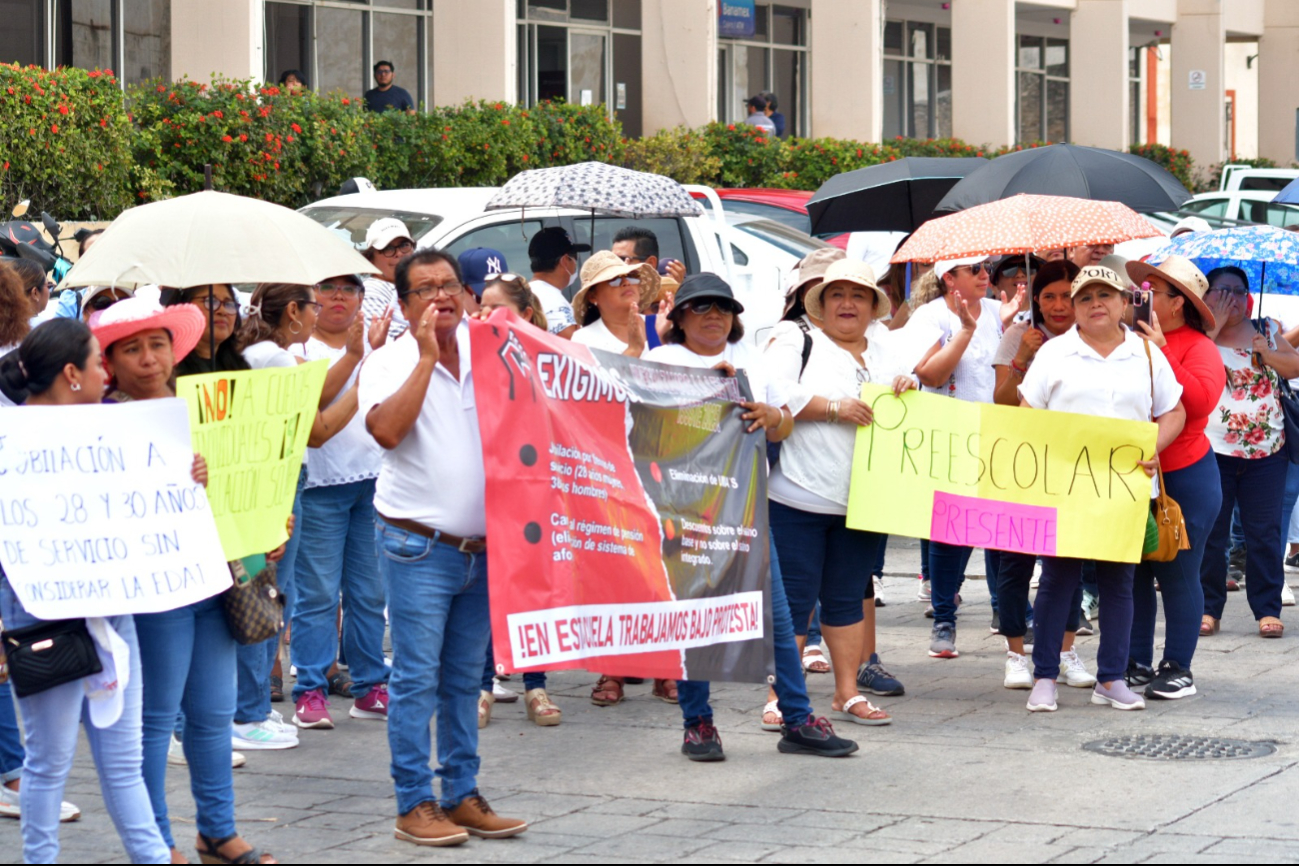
(1269, 256)
(1289, 195)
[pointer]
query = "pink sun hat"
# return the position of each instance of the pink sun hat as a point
(131, 316)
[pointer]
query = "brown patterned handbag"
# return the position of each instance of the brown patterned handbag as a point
(1167, 513)
(254, 605)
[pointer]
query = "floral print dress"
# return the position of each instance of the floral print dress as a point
(1248, 421)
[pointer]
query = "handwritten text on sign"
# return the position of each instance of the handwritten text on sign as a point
(99, 515)
(560, 634)
(252, 427)
(979, 475)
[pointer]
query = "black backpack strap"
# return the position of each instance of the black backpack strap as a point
(807, 354)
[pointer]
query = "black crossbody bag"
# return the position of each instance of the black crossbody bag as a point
(49, 654)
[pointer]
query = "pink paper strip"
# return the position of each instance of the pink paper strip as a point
(970, 521)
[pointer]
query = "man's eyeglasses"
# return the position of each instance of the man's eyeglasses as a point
(1237, 291)
(703, 306)
(351, 290)
(451, 289)
(213, 303)
(397, 250)
(632, 260)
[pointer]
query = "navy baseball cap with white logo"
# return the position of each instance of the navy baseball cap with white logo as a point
(480, 264)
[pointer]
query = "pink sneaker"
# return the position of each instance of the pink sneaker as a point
(312, 711)
(374, 705)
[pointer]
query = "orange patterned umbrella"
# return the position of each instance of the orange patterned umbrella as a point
(1024, 224)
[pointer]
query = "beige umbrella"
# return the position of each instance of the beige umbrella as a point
(214, 237)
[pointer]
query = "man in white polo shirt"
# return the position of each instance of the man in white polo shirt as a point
(417, 397)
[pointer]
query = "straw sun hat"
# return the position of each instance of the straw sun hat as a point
(603, 266)
(846, 271)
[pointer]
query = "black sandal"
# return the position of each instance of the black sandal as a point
(213, 853)
(277, 690)
(341, 684)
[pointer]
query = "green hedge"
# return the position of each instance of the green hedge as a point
(64, 142)
(71, 143)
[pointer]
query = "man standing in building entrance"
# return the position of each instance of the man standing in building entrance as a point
(758, 115)
(387, 95)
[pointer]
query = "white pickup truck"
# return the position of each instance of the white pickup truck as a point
(454, 220)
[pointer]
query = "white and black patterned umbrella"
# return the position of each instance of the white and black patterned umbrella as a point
(599, 188)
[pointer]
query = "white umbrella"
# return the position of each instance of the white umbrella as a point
(599, 188)
(214, 237)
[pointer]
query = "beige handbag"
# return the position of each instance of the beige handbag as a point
(1164, 510)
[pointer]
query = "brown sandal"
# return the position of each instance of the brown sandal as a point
(607, 692)
(666, 690)
(1270, 626)
(1209, 626)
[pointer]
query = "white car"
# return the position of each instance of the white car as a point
(1252, 206)
(454, 220)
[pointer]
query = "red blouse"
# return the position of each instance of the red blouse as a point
(1198, 367)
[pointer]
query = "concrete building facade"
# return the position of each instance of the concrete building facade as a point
(1219, 78)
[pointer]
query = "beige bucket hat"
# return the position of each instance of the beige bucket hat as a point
(847, 271)
(603, 266)
(1182, 274)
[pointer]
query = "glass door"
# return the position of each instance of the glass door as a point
(588, 55)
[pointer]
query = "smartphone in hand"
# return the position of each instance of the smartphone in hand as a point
(1141, 299)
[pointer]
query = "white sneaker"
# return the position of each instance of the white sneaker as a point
(923, 593)
(10, 806)
(1287, 595)
(1073, 672)
(176, 753)
(277, 720)
(501, 694)
(265, 735)
(879, 591)
(1018, 676)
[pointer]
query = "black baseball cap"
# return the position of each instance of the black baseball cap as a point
(699, 286)
(553, 242)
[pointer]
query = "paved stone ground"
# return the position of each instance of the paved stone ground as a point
(964, 774)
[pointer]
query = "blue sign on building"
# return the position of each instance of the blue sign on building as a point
(735, 18)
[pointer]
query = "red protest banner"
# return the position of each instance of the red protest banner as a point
(626, 512)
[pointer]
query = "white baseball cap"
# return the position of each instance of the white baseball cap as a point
(1190, 224)
(945, 265)
(383, 232)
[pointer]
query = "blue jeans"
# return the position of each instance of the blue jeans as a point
(256, 661)
(1198, 490)
(992, 568)
(439, 639)
(189, 665)
(52, 719)
(878, 569)
(531, 680)
(947, 564)
(821, 558)
(791, 688)
(1289, 526)
(924, 558)
(337, 555)
(813, 627)
(11, 743)
(1057, 601)
(1014, 576)
(1258, 487)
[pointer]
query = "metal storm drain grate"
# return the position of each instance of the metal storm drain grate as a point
(1173, 747)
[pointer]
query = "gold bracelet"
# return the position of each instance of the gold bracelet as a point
(832, 412)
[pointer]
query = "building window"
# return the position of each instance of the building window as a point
(131, 37)
(585, 52)
(335, 44)
(773, 59)
(917, 80)
(1042, 82)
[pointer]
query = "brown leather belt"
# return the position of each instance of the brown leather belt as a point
(464, 545)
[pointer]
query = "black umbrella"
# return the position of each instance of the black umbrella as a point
(892, 196)
(1071, 170)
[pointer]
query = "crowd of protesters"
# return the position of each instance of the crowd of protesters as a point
(392, 495)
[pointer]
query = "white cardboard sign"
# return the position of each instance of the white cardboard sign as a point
(99, 515)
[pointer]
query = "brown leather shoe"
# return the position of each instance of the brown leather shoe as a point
(478, 818)
(427, 824)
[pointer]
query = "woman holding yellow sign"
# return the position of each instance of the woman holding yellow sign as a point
(1097, 368)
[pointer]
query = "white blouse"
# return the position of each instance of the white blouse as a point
(352, 454)
(817, 457)
(974, 378)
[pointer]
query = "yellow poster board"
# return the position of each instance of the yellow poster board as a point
(252, 428)
(1001, 477)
